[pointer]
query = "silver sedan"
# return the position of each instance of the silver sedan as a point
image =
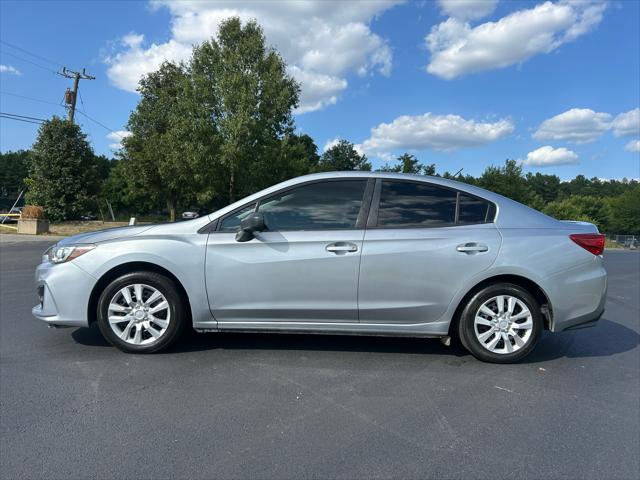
(345, 253)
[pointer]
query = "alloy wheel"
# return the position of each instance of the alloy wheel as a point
(139, 314)
(503, 324)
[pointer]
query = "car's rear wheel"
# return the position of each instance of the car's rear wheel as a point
(501, 323)
(141, 312)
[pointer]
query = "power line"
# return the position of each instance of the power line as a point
(30, 98)
(29, 61)
(101, 124)
(21, 118)
(58, 105)
(84, 110)
(35, 55)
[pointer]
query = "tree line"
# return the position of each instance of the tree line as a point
(220, 126)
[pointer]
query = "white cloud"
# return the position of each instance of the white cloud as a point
(322, 42)
(332, 142)
(319, 90)
(548, 156)
(117, 137)
(437, 132)
(627, 123)
(133, 40)
(128, 66)
(578, 125)
(10, 69)
(467, 9)
(633, 146)
(457, 48)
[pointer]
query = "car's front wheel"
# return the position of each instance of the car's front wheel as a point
(141, 312)
(501, 323)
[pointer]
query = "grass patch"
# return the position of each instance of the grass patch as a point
(73, 228)
(611, 244)
(9, 228)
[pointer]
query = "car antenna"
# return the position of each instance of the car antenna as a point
(458, 172)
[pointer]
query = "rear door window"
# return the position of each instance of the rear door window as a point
(415, 205)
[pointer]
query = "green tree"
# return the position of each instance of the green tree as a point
(343, 157)
(459, 177)
(14, 168)
(303, 146)
(126, 197)
(581, 185)
(547, 187)
(508, 181)
(429, 169)
(408, 163)
(625, 212)
(62, 171)
(250, 99)
(293, 156)
(103, 166)
(172, 141)
(580, 207)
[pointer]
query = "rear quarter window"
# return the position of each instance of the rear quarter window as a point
(474, 210)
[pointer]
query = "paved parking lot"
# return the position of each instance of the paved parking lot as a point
(284, 406)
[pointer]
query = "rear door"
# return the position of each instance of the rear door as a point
(422, 241)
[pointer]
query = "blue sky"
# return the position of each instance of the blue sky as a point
(460, 83)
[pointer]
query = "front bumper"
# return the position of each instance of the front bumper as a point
(64, 291)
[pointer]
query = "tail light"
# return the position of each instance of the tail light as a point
(592, 242)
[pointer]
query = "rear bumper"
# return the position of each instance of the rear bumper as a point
(585, 321)
(64, 291)
(578, 296)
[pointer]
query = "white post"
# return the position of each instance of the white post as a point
(132, 221)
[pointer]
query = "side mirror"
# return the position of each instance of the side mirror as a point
(251, 224)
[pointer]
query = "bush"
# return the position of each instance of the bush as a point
(33, 212)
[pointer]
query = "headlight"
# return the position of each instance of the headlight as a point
(66, 253)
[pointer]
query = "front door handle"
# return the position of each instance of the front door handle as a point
(472, 247)
(340, 248)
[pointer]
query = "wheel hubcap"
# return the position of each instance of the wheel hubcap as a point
(503, 324)
(139, 314)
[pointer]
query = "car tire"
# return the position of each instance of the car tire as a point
(150, 323)
(488, 330)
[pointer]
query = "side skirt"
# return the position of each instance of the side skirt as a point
(425, 330)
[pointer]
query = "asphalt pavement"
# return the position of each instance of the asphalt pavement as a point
(303, 406)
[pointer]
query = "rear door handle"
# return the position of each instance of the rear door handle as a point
(340, 248)
(472, 247)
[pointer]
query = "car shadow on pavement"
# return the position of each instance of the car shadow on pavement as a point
(192, 341)
(605, 339)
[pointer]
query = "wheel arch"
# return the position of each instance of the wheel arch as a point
(128, 267)
(529, 285)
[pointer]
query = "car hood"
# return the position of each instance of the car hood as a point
(105, 235)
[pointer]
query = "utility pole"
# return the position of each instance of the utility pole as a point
(70, 96)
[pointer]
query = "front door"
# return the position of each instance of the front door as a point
(304, 268)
